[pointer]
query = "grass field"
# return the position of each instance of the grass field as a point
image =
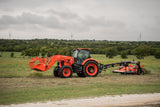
(20, 84)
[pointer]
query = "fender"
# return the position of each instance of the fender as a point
(89, 59)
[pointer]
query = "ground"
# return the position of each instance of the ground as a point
(19, 84)
(148, 100)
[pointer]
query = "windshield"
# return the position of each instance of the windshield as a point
(83, 54)
(75, 53)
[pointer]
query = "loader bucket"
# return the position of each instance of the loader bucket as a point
(41, 66)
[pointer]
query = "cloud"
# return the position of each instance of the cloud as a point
(103, 22)
(106, 19)
(30, 19)
(63, 14)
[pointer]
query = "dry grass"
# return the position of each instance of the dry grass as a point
(11, 83)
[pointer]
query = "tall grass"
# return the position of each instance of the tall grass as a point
(19, 66)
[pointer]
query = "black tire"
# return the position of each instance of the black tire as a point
(56, 71)
(81, 74)
(65, 71)
(125, 73)
(140, 72)
(90, 69)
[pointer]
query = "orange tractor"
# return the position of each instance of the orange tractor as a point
(80, 63)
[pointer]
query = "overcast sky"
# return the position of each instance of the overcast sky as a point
(80, 19)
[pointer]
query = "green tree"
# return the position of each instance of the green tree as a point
(124, 54)
(157, 54)
(111, 52)
(30, 52)
(50, 52)
(61, 52)
(37, 51)
(55, 51)
(43, 51)
(23, 53)
(141, 51)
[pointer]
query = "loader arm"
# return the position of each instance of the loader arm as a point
(45, 64)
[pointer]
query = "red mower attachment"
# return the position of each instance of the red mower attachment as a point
(130, 69)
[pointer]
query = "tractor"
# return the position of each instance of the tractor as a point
(80, 63)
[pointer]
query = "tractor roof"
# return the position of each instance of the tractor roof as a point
(82, 49)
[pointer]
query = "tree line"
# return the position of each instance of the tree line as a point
(49, 47)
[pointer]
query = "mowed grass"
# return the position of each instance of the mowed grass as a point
(17, 66)
(20, 84)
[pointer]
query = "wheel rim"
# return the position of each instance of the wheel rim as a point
(66, 72)
(91, 69)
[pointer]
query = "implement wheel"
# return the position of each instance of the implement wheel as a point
(56, 71)
(65, 71)
(90, 69)
(140, 72)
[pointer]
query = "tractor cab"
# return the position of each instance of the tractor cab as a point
(81, 54)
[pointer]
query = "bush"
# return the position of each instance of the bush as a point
(157, 54)
(141, 51)
(111, 52)
(12, 55)
(124, 55)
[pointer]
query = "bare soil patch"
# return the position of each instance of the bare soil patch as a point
(104, 101)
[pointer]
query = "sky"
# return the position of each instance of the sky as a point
(120, 20)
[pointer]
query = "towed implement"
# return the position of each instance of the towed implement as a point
(127, 67)
(80, 63)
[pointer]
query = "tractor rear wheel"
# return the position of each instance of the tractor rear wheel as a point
(90, 69)
(65, 71)
(56, 71)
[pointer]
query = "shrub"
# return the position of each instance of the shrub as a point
(141, 51)
(111, 52)
(12, 55)
(157, 54)
(124, 55)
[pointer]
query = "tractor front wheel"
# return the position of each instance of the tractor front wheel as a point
(90, 69)
(65, 71)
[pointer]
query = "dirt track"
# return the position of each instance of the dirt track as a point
(104, 101)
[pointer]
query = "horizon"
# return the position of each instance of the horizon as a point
(80, 40)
